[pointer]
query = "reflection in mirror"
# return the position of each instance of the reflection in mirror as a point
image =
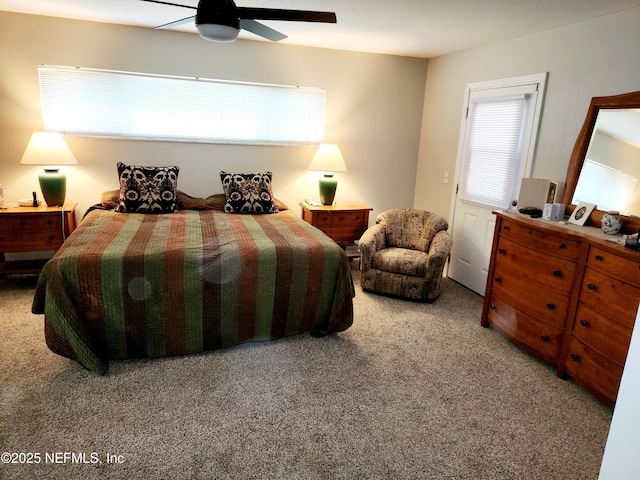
(610, 175)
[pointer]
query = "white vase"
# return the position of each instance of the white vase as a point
(611, 223)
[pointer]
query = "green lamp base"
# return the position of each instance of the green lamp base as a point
(328, 186)
(54, 186)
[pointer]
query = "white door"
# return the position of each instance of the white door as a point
(497, 143)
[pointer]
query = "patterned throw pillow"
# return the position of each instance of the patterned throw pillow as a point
(248, 192)
(147, 189)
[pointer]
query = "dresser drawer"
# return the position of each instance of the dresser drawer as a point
(540, 240)
(552, 272)
(608, 296)
(596, 373)
(541, 339)
(615, 266)
(601, 334)
(529, 297)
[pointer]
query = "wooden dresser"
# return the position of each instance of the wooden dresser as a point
(566, 294)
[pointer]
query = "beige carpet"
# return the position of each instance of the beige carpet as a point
(411, 391)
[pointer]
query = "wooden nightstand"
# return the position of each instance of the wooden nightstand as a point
(33, 229)
(344, 222)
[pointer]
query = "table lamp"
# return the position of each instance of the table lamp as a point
(328, 159)
(50, 149)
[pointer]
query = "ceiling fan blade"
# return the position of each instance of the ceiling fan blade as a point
(176, 23)
(262, 30)
(286, 15)
(170, 4)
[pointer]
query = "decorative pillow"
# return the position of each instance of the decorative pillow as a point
(147, 189)
(248, 192)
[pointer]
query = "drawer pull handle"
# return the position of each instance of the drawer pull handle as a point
(599, 258)
(575, 358)
(591, 286)
(493, 307)
(562, 246)
(502, 251)
(544, 338)
(23, 222)
(584, 323)
(557, 273)
(50, 237)
(499, 279)
(551, 306)
(506, 227)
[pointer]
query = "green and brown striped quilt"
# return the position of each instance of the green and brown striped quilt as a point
(133, 285)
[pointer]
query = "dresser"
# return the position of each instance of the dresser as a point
(566, 294)
(344, 222)
(33, 229)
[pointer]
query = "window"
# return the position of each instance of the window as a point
(492, 152)
(105, 103)
(497, 144)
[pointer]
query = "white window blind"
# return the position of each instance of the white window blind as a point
(493, 147)
(91, 102)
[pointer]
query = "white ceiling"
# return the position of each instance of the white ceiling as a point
(417, 28)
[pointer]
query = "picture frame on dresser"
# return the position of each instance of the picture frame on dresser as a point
(581, 213)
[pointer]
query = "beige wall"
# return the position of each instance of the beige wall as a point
(374, 110)
(592, 58)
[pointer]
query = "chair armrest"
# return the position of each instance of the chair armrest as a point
(372, 240)
(438, 253)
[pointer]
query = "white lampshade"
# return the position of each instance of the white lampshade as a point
(217, 33)
(328, 158)
(47, 148)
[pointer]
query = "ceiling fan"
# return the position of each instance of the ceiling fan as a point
(221, 20)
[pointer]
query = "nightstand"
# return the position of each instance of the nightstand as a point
(33, 229)
(344, 222)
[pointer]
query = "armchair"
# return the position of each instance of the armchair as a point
(404, 254)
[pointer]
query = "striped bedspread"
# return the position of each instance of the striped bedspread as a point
(132, 285)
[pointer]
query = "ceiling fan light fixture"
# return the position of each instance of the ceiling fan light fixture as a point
(217, 20)
(217, 32)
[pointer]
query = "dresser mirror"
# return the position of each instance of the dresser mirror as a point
(606, 159)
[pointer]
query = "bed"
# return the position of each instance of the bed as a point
(129, 285)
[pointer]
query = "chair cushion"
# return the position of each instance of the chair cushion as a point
(401, 260)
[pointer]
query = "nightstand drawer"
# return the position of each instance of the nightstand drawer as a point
(18, 225)
(33, 241)
(348, 219)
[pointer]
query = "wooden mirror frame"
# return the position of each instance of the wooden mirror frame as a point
(626, 100)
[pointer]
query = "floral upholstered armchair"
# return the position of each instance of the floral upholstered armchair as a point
(404, 254)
